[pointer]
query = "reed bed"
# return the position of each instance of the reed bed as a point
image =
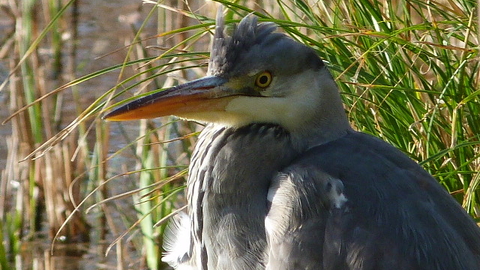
(43, 181)
(407, 70)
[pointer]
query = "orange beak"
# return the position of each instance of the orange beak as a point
(207, 94)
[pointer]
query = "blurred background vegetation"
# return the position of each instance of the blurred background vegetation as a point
(407, 70)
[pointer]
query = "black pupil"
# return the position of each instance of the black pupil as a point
(263, 79)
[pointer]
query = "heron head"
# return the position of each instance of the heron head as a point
(255, 75)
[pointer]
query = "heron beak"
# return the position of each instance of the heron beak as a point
(207, 94)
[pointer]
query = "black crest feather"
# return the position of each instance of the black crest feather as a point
(226, 50)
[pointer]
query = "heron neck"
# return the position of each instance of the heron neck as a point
(230, 173)
(314, 114)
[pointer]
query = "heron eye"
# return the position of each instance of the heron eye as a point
(263, 79)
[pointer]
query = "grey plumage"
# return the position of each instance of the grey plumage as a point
(396, 217)
(279, 180)
(232, 55)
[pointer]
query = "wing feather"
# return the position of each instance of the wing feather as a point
(359, 203)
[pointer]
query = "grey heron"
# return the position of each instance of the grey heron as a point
(280, 180)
